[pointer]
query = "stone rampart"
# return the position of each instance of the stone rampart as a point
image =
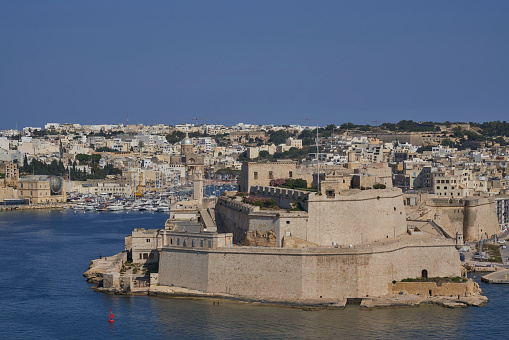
(243, 219)
(475, 217)
(468, 288)
(284, 197)
(353, 218)
(357, 217)
(292, 274)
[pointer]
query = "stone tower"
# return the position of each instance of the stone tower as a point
(198, 186)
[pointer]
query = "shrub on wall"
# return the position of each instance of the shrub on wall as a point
(260, 201)
(290, 183)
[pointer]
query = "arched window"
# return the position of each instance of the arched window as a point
(424, 273)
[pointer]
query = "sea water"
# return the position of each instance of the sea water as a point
(43, 295)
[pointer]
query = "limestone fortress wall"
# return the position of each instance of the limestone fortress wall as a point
(475, 217)
(352, 218)
(286, 274)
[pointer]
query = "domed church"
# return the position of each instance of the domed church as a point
(188, 157)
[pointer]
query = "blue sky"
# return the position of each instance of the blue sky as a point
(92, 62)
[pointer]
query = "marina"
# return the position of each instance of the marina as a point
(150, 201)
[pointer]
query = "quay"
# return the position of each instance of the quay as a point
(500, 276)
(33, 206)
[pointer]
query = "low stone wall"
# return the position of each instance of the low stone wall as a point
(34, 206)
(468, 288)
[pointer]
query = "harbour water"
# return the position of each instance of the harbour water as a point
(43, 295)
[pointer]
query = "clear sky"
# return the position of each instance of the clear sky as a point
(93, 62)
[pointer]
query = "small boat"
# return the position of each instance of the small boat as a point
(115, 207)
(101, 207)
(79, 206)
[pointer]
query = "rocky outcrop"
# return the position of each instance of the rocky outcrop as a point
(260, 239)
(99, 267)
(410, 300)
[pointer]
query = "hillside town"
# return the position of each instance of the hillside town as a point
(446, 160)
(399, 200)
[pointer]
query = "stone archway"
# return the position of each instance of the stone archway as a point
(424, 273)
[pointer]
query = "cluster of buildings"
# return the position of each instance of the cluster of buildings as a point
(372, 208)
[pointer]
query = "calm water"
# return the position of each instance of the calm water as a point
(44, 295)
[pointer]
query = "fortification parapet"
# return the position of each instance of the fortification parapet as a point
(460, 202)
(278, 191)
(241, 207)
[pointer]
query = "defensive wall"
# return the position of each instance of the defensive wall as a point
(242, 219)
(468, 288)
(352, 218)
(474, 216)
(309, 274)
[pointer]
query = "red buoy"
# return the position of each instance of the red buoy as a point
(111, 316)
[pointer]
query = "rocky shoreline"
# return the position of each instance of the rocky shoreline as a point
(416, 300)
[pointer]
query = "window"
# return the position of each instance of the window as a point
(145, 256)
(290, 174)
(210, 244)
(256, 175)
(178, 242)
(141, 256)
(271, 176)
(192, 243)
(148, 240)
(201, 243)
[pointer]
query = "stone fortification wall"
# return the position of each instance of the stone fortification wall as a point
(283, 274)
(245, 221)
(284, 197)
(473, 216)
(363, 216)
(468, 288)
(352, 218)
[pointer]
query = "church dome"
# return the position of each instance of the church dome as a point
(187, 141)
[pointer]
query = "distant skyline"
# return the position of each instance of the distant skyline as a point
(260, 62)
